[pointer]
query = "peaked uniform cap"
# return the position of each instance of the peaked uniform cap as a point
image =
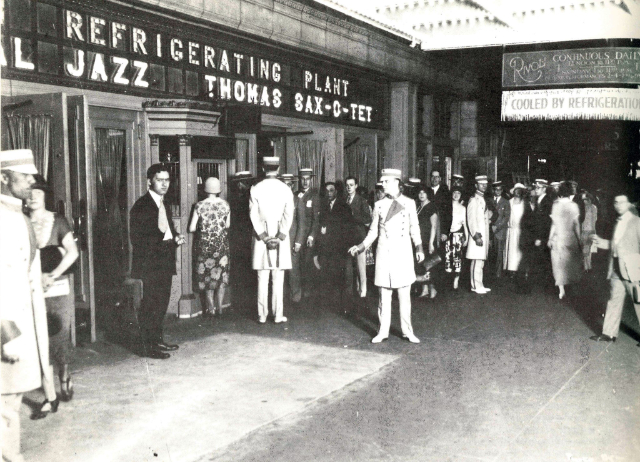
(541, 181)
(496, 183)
(482, 179)
(18, 160)
(391, 172)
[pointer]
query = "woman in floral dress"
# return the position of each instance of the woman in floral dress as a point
(211, 221)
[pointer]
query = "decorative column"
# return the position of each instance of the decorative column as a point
(188, 305)
(404, 109)
(155, 149)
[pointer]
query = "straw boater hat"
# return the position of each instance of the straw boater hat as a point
(244, 175)
(378, 185)
(496, 184)
(287, 176)
(482, 179)
(391, 172)
(305, 172)
(555, 184)
(541, 181)
(273, 162)
(457, 176)
(413, 182)
(18, 160)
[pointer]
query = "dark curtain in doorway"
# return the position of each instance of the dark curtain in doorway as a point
(110, 240)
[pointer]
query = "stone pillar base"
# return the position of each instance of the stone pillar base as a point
(189, 306)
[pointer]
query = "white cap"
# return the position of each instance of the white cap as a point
(18, 160)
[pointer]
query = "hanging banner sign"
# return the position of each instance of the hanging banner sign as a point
(569, 67)
(575, 104)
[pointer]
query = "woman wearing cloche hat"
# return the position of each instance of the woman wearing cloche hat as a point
(211, 221)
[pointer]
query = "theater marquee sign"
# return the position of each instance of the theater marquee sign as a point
(618, 65)
(574, 104)
(123, 50)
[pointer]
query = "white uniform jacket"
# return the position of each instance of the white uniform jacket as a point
(21, 302)
(271, 211)
(394, 256)
(478, 222)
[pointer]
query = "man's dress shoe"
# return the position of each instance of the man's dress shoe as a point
(166, 346)
(154, 353)
(378, 339)
(603, 338)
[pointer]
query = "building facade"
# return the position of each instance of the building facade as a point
(100, 91)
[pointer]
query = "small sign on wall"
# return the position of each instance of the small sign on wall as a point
(573, 104)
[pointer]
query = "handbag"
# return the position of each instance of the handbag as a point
(431, 260)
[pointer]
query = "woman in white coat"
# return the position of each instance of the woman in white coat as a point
(395, 225)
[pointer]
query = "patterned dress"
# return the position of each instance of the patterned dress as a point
(212, 244)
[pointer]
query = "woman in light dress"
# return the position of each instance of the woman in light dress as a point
(565, 240)
(513, 252)
(211, 219)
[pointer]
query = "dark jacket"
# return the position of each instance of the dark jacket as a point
(339, 235)
(307, 216)
(542, 217)
(360, 216)
(443, 203)
(151, 254)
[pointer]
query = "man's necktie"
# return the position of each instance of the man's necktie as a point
(163, 223)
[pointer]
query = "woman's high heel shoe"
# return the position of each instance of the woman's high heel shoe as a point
(66, 389)
(46, 408)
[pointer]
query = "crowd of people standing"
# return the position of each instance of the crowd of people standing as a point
(321, 242)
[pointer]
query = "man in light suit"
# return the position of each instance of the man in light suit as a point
(624, 266)
(478, 223)
(308, 227)
(25, 343)
(360, 221)
(395, 225)
(154, 240)
(499, 226)
(271, 212)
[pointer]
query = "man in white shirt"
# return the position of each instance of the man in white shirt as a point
(624, 266)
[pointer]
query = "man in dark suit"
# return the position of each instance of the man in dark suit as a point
(307, 224)
(541, 258)
(360, 221)
(334, 240)
(242, 277)
(154, 240)
(499, 227)
(442, 199)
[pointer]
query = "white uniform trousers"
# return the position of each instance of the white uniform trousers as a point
(613, 316)
(277, 285)
(11, 427)
(384, 310)
(477, 274)
(360, 261)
